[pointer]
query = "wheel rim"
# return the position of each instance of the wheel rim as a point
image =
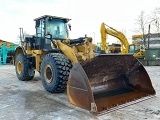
(48, 73)
(19, 67)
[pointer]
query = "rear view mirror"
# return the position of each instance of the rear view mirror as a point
(69, 26)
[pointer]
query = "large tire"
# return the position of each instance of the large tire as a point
(55, 69)
(22, 68)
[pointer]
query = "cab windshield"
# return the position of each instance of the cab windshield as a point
(57, 28)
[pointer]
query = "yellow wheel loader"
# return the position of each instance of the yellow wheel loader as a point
(96, 83)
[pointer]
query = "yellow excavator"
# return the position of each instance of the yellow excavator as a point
(97, 83)
(113, 32)
(105, 30)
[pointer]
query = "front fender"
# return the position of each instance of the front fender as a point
(19, 50)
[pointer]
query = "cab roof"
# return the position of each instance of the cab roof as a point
(45, 16)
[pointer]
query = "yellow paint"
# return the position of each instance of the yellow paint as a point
(19, 67)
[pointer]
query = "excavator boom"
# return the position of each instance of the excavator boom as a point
(115, 33)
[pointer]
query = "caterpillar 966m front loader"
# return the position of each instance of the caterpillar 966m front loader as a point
(96, 83)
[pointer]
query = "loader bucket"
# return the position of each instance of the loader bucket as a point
(108, 82)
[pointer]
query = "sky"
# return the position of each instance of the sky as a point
(86, 15)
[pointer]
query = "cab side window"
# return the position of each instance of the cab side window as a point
(40, 28)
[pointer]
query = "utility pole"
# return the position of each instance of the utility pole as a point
(149, 30)
(149, 34)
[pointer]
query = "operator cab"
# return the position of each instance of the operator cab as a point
(54, 26)
(134, 48)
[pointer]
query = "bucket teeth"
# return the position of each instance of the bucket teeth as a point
(93, 107)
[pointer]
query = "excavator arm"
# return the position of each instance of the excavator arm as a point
(113, 32)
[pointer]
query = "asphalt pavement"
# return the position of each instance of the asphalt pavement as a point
(28, 100)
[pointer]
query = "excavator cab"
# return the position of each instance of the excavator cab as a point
(134, 48)
(138, 51)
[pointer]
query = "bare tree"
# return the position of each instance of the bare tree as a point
(142, 23)
(156, 18)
